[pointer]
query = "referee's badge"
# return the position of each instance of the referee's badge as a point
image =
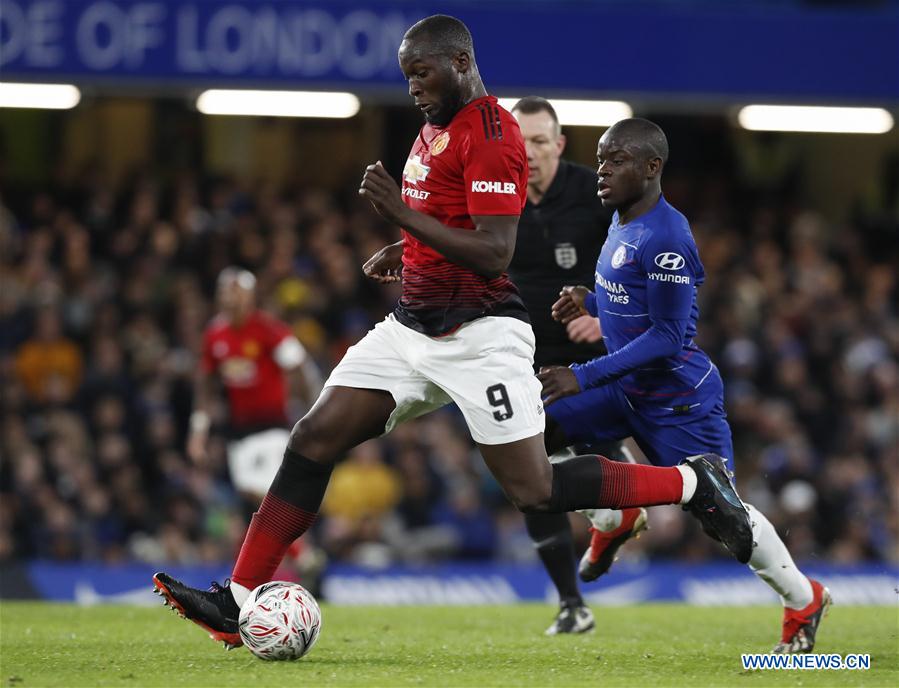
(619, 257)
(566, 256)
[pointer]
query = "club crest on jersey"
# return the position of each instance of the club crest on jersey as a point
(619, 257)
(414, 171)
(440, 142)
(566, 256)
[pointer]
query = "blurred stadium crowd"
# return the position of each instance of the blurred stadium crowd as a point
(105, 290)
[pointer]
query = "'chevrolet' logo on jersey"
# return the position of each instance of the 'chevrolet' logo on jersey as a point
(414, 171)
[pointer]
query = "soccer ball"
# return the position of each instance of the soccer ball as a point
(280, 620)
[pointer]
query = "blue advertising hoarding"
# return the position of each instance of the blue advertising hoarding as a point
(724, 51)
(713, 584)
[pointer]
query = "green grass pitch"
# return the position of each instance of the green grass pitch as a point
(648, 645)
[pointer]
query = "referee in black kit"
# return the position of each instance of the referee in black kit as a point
(560, 234)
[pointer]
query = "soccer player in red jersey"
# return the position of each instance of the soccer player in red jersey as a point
(257, 359)
(459, 333)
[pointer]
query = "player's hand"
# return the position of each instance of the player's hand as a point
(380, 188)
(558, 382)
(584, 329)
(196, 447)
(386, 265)
(570, 304)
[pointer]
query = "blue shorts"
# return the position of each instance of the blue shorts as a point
(603, 414)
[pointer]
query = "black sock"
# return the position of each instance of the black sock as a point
(551, 534)
(301, 482)
(576, 484)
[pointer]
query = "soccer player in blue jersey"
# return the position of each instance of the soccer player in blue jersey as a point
(656, 384)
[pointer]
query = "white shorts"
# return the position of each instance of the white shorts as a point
(485, 366)
(255, 459)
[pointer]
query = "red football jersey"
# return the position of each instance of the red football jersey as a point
(243, 356)
(476, 165)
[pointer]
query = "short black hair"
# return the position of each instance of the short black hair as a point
(647, 137)
(531, 105)
(445, 35)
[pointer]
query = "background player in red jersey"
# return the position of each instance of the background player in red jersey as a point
(459, 333)
(258, 362)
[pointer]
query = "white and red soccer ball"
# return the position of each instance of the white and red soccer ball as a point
(280, 621)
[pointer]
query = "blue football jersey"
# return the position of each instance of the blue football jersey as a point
(646, 280)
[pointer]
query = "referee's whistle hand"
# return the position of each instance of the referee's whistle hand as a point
(584, 329)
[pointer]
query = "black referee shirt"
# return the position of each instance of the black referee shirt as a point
(559, 240)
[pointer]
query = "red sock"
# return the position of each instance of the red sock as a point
(630, 484)
(296, 549)
(272, 530)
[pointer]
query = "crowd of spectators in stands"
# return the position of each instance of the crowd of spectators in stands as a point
(105, 291)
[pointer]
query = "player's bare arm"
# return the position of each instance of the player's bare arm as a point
(305, 382)
(386, 265)
(487, 250)
(200, 419)
(570, 304)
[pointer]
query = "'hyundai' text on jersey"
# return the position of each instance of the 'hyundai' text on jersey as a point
(645, 297)
(476, 165)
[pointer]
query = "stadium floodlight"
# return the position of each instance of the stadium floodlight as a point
(39, 96)
(333, 105)
(815, 119)
(583, 113)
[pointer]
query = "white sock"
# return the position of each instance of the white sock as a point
(604, 520)
(773, 564)
(239, 592)
(689, 477)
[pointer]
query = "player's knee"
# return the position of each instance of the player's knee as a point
(311, 437)
(531, 499)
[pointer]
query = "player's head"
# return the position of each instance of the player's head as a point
(543, 139)
(437, 59)
(630, 155)
(236, 291)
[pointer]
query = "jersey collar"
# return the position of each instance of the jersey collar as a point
(640, 219)
(429, 131)
(473, 104)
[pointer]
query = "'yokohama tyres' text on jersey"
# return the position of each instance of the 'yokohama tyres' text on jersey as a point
(476, 165)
